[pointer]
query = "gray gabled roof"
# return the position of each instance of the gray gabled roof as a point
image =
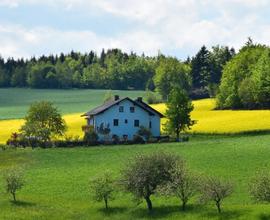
(102, 108)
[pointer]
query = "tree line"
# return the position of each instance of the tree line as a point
(114, 69)
(245, 82)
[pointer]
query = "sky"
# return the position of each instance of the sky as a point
(173, 27)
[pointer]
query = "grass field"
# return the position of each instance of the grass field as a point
(14, 102)
(57, 180)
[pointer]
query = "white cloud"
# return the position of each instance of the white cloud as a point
(169, 25)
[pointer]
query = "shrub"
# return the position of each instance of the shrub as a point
(185, 138)
(90, 137)
(260, 186)
(153, 98)
(216, 190)
(144, 132)
(137, 139)
(14, 182)
(103, 188)
(146, 173)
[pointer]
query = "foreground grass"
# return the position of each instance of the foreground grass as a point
(57, 180)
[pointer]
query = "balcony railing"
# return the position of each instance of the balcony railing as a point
(87, 128)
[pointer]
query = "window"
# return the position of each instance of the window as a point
(150, 124)
(121, 108)
(115, 122)
(126, 121)
(132, 109)
(136, 123)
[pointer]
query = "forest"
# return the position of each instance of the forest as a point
(114, 69)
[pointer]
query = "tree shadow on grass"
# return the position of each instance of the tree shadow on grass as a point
(264, 217)
(23, 203)
(112, 210)
(225, 214)
(161, 212)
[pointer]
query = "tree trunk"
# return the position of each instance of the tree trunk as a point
(106, 203)
(177, 136)
(14, 197)
(184, 206)
(218, 206)
(149, 203)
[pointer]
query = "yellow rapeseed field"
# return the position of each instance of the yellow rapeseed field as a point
(74, 123)
(224, 121)
(208, 120)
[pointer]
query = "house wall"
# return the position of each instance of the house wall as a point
(128, 129)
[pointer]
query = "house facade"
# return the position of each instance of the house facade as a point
(123, 117)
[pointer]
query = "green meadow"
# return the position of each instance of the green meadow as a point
(14, 102)
(57, 180)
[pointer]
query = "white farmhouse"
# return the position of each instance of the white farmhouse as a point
(123, 117)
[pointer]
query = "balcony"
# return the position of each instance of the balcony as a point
(87, 128)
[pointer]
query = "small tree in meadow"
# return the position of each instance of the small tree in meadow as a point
(183, 184)
(102, 188)
(13, 181)
(146, 173)
(216, 190)
(178, 111)
(43, 121)
(260, 186)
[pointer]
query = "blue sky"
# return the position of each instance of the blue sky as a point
(174, 27)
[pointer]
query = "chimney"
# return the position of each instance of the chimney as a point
(116, 97)
(139, 99)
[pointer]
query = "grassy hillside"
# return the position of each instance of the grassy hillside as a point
(57, 180)
(15, 102)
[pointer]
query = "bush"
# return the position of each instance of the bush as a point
(185, 138)
(137, 139)
(146, 173)
(153, 98)
(14, 182)
(90, 138)
(144, 132)
(216, 190)
(102, 188)
(260, 186)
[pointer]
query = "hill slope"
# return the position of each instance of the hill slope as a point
(57, 180)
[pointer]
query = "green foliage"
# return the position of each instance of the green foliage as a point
(178, 111)
(153, 98)
(206, 69)
(42, 122)
(142, 178)
(90, 137)
(171, 73)
(14, 181)
(260, 186)
(246, 80)
(216, 190)
(144, 132)
(102, 188)
(183, 184)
